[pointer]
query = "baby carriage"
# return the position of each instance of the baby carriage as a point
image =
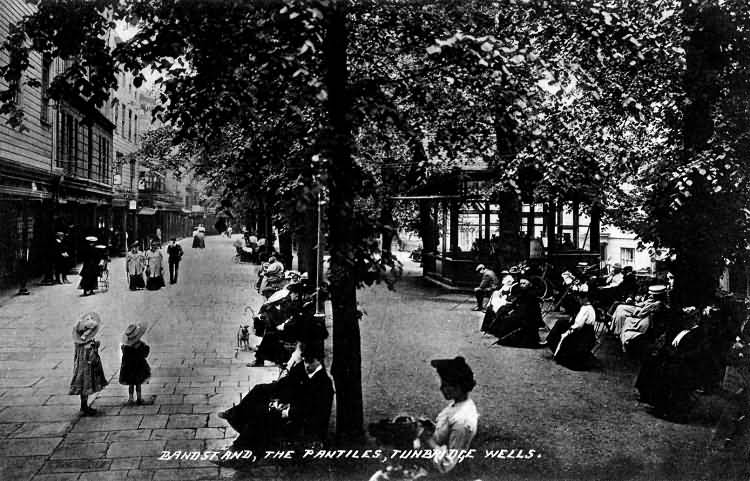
(103, 268)
(103, 276)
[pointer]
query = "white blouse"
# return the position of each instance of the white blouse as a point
(455, 428)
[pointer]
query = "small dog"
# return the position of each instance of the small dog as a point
(243, 338)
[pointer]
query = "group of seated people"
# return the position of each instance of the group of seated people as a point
(252, 249)
(297, 406)
(513, 313)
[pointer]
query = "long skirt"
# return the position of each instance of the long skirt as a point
(196, 242)
(155, 283)
(136, 282)
(574, 348)
(665, 382)
(89, 276)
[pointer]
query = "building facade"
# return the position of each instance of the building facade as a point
(70, 169)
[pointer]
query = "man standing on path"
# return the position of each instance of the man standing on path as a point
(486, 287)
(174, 255)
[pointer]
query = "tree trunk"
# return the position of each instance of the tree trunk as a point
(307, 254)
(346, 367)
(285, 248)
(698, 257)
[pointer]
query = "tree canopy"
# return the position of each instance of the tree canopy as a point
(633, 106)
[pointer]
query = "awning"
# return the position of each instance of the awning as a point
(147, 211)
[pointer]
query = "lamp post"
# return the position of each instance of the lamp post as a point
(319, 308)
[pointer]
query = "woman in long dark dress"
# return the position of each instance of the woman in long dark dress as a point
(90, 270)
(571, 340)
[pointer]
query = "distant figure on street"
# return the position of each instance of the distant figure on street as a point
(488, 284)
(154, 268)
(90, 270)
(202, 236)
(22, 265)
(88, 373)
(174, 255)
(135, 264)
(456, 425)
(196, 239)
(134, 369)
(61, 259)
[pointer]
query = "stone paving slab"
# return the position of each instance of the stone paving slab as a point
(36, 430)
(81, 451)
(195, 374)
(127, 449)
(29, 447)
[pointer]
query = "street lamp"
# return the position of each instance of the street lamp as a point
(319, 309)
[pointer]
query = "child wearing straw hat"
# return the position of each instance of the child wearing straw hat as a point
(134, 369)
(88, 374)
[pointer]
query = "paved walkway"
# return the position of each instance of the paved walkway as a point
(192, 332)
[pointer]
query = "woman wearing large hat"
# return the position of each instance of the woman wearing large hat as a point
(456, 425)
(90, 270)
(88, 374)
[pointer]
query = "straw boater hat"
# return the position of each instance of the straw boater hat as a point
(657, 290)
(278, 296)
(479, 267)
(92, 238)
(133, 333)
(86, 328)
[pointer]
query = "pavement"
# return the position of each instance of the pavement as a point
(196, 372)
(580, 424)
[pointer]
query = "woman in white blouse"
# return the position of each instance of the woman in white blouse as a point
(456, 425)
(572, 342)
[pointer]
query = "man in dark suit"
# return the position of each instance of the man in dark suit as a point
(174, 255)
(297, 406)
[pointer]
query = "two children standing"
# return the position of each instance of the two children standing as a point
(88, 373)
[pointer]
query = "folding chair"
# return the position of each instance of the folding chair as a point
(602, 327)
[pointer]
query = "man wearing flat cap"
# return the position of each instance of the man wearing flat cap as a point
(488, 285)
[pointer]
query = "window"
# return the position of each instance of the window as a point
(119, 167)
(627, 256)
(132, 174)
(115, 102)
(104, 160)
(44, 112)
(135, 134)
(122, 129)
(130, 124)
(90, 173)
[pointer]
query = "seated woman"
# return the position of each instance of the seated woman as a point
(668, 377)
(284, 324)
(456, 425)
(517, 322)
(634, 322)
(498, 299)
(297, 406)
(571, 342)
